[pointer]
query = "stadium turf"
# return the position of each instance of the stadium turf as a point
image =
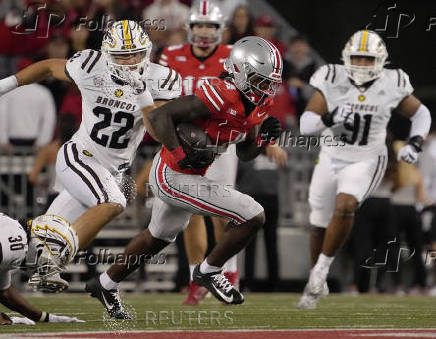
(259, 312)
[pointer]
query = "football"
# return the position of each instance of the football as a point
(192, 137)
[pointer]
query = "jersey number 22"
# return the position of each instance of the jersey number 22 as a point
(113, 140)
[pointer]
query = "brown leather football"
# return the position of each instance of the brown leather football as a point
(192, 137)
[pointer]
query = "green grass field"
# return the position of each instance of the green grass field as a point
(259, 312)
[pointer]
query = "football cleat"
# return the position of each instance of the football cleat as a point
(218, 285)
(316, 289)
(110, 299)
(309, 301)
(196, 294)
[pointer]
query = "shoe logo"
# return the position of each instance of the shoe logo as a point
(227, 299)
(109, 307)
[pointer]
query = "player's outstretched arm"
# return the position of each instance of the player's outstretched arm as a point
(35, 73)
(420, 116)
(10, 298)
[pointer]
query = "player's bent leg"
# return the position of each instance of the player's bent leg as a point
(322, 196)
(93, 220)
(67, 207)
(201, 195)
(340, 225)
(316, 242)
(166, 222)
(105, 287)
(91, 184)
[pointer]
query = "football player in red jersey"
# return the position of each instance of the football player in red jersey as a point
(231, 110)
(201, 59)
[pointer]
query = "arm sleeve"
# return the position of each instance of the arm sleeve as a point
(310, 123)
(164, 83)
(421, 122)
(48, 119)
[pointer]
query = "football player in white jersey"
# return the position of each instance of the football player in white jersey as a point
(91, 164)
(351, 108)
(20, 247)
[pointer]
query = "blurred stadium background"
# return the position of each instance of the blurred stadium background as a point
(308, 34)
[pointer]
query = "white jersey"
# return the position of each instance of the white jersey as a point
(112, 126)
(371, 107)
(13, 248)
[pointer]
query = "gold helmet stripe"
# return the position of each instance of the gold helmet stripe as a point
(126, 33)
(364, 41)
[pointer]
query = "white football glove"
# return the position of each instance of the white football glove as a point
(408, 153)
(53, 318)
(24, 321)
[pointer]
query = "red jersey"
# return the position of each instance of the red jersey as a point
(193, 70)
(228, 122)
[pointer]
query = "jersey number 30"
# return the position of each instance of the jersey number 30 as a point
(125, 118)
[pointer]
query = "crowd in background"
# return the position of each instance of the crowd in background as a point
(51, 111)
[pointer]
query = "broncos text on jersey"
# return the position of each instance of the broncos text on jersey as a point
(112, 125)
(370, 107)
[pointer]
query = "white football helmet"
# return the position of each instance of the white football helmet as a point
(365, 43)
(122, 38)
(52, 245)
(255, 65)
(205, 11)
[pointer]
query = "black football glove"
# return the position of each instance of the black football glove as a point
(270, 131)
(328, 118)
(197, 159)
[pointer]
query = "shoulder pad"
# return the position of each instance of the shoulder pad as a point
(82, 64)
(163, 83)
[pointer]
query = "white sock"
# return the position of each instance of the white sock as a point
(191, 270)
(107, 282)
(206, 268)
(323, 263)
(231, 264)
